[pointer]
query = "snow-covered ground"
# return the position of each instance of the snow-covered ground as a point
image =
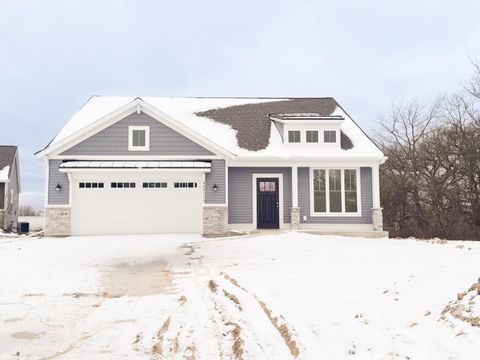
(281, 296)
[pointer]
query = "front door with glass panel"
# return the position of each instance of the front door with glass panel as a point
(267, 203)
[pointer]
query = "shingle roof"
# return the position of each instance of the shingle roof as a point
(7, 156)
(252, 121)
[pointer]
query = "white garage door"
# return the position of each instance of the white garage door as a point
(137, 203)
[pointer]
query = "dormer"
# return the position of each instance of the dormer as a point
(309, 129)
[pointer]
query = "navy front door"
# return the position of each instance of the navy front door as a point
(267, 203)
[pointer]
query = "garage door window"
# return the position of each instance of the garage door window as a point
(123, 185)
(185, 185)
(154, 185)
(90, 185)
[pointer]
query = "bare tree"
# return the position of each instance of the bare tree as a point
(27, 210)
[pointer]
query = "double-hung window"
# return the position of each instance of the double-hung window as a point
(335, 192)
(139, 138)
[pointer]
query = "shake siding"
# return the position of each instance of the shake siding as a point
(240, 197)
(366, 200)
(114, 140)
(216, 176)
(56, 177)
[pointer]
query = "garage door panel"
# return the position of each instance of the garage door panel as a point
(132, 210)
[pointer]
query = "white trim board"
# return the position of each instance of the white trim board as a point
(256, 176)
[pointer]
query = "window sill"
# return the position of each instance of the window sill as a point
(339, 214)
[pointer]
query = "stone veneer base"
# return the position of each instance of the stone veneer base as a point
(215, 220)
(57, 221)
(377, 219)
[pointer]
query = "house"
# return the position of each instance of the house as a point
(209, 165)
(9, 187)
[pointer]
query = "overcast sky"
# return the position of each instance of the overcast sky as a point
(55, 54)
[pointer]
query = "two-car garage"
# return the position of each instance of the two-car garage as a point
(142, 201)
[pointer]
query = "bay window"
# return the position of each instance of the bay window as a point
(335, 192)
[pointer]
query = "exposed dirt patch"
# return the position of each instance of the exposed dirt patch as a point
(212, 285)
(237, 345)
(33, 295)
(462, 308)
(12, 320)
(27, 335)
(142, 279)
(232, 298)
(157, 348)
(282, 329)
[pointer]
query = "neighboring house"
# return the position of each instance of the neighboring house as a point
(208, 165)
(9, 187)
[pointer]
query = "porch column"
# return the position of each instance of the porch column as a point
(295, 210)
(377, 216)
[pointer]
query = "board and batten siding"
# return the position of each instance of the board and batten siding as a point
(366, 200)
(240, 196)
(57, 197)
(114, 140)
(215, 176)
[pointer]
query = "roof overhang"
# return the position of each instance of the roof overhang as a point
(137, 105)
(307, 119)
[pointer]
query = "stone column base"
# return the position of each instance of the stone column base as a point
(57, 221)
(295, 217)
(215, 220)
(377, 218)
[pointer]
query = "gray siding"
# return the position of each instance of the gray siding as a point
(56, 177)
(240, 197)
(114, 140)
(2, 195)
(366, 200)
(216, 176)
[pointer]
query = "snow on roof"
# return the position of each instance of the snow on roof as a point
(4, 173)
(196, 114)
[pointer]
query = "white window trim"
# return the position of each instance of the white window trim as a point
(256, 176)
(337, 135)
(147, 138)
(327, 186)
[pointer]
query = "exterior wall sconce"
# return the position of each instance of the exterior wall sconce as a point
(58, 187)
(215, 187)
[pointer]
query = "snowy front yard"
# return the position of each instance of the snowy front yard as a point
(280, 296)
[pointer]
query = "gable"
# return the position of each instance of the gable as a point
(113, 140)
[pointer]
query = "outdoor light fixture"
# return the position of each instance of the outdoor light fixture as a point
(215, 187)
(58, 187)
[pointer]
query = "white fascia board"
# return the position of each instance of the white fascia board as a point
(136, 157)
(310, 163)
(132, 170)
(274, 161)
(326, 121)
